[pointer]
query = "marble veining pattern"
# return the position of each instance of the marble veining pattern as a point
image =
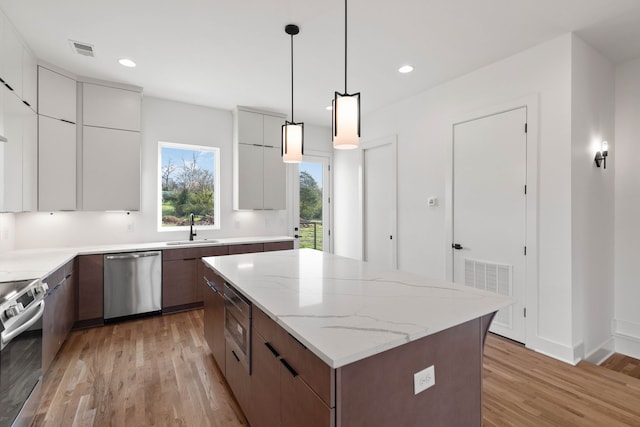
(345, 310)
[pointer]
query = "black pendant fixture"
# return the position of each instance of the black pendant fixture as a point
(346, 109)
(292, 132)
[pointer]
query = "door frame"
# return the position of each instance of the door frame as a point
(387, 140)
(531, 103)
(294, 194)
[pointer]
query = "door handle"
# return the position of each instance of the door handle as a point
(456, 246)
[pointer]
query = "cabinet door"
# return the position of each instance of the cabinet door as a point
(273, 131)
(265, 383)
(12, 53)
(90, 298)
(214, 315)
(300, 405)
(246, 248)
(239, 381)
(110, 107)
(250, 177)
(249, 127)
(30, 79)
(111, 169)
(56, 95)
(49, 339)
(275, 179)
(30, 161)
(12, 167)
(179, 283)
(57, 165)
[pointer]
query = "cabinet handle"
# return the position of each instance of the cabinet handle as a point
(67, 121)
(235, 355)
(26, 103)
(8, 87)
(289, 368)
(272, 350)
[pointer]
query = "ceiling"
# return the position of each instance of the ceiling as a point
(227, 53)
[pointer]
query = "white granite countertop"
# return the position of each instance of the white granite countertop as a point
(38, 263)
(345, 310)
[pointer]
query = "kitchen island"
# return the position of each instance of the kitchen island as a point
(336, 341)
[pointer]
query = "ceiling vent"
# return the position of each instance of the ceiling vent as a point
(84, 49)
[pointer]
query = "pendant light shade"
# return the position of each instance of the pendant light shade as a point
(292, 142)
(346, 109)
(346, 121)
(292, 132)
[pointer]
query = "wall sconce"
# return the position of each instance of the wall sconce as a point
(601, 156)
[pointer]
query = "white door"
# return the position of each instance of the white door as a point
(489, 202)
(311, 206)
(379, 203)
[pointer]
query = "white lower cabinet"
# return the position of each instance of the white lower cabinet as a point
(110, 169)
(57, 165)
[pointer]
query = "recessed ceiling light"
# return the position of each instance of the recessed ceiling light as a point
(405, 69)
(127, 62)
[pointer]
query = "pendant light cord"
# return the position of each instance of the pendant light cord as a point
(292, 120)
(345, 46)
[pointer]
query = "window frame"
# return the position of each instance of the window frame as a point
(216, 185)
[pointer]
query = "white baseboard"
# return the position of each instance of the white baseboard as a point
(627, 338)
(602, 352)
(564, 353)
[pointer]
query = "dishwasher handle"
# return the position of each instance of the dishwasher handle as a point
(135, 255)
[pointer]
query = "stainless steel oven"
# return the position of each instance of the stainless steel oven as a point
(21, 309)
(237, 325)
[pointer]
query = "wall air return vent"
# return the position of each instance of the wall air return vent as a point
(84, 49)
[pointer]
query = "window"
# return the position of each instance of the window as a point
(189, 182)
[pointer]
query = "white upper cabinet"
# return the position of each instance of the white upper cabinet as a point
(259, 172)
(29, 79)
(111, 169)
(57, 166)
(249, 127)
(110, 107)
(12, 60)
(57, 95)
(30, 161)
(272, 128)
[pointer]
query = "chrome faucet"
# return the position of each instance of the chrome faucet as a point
(192, 232)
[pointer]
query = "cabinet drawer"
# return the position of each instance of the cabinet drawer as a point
(193, 253)
(278, 246)
(246, 249)
(317, 374)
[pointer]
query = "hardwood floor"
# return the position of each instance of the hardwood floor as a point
(159, 372)
(524, 388)
(156, 371)
(623, 364)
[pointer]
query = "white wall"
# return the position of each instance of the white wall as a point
(627, 209)
(423, 125)
(592, 199)
(162, 120)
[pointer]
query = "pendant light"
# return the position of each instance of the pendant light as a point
(292, 132)
(346, 109)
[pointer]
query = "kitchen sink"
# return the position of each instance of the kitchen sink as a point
(190, 242)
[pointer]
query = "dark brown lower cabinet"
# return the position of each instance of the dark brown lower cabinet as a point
(59, 311)
(279, 394)
(90, 298)
(214, 314)
(239, 381)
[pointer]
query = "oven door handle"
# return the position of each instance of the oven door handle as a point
(6, 337)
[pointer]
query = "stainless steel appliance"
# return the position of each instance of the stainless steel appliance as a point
(21, 308)
(237, 325)
(132, 283)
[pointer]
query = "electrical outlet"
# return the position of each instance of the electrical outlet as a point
(130, 227)
(424, 379)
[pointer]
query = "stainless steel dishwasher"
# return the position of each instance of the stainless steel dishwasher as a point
(132, 283)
